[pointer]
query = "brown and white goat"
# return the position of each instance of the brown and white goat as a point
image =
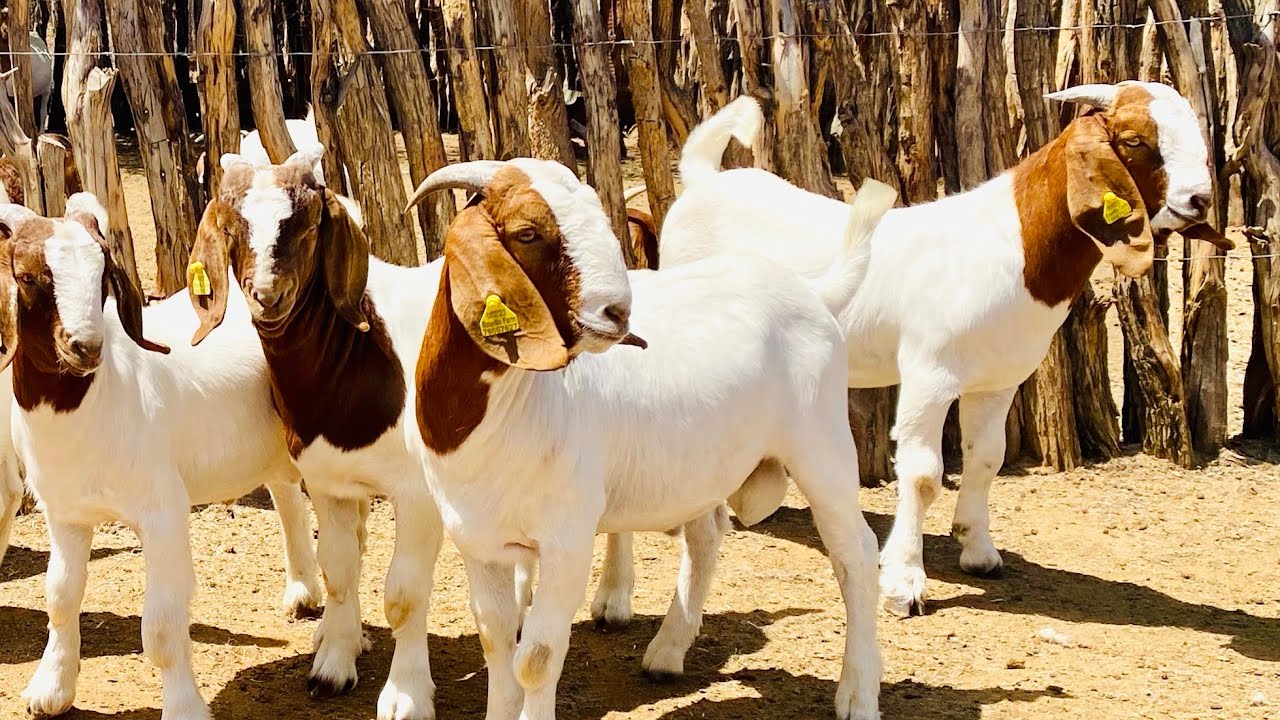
(111, 426)
(340, 331)
(963, 295)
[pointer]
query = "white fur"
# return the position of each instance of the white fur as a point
(153, 435)
(265, 206)
(41, 79)
(305, 139)
(340, 481)
(744, 362)
(1186, 157)
(76, 262)
(944, 311)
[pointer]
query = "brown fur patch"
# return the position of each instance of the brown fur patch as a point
(644, 237)
(452, 392)
(532, 666)
(1059, 257)
(37, 375)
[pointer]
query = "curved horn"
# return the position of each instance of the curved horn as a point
(1098, 95)
(13, 215)
(306, 157)
(630, 193)
(473, 176)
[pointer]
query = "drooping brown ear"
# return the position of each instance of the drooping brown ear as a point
(8, 305)
(477, 266)
(1205, 232)
(85, 209)
(212, 252)
(1093, 170)
(344, 257)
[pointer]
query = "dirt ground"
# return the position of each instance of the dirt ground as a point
(1160, 586)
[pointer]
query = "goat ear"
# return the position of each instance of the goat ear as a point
(1103, 200)
(344, 255)
(207, 281)
(478, 266)
(8, 306)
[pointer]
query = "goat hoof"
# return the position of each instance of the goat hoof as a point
(992, 573)
(606, 624)
(323, 688)
(984, 562)
(661, 677)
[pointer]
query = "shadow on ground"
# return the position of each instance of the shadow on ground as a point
(1028, 588)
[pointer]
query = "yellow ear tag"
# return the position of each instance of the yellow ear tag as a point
(497, 318)
(1114, 207)
(198, 279)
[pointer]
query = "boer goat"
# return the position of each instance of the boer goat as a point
(535, 438)
(111, 426)
(963, 295)
(340, 332)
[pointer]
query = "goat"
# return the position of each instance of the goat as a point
(964, 294)
(41, 74)
(535, 438)
(110, 426)
(304, 136)
(339, 330)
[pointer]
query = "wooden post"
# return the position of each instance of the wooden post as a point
(548, 119)
(219, 102)
(137, 28)
(415, 106)
(265, 92)
(1256, 145)
(86, 95)
(368, 150)
(861, 87)
(512, 95)
(1204, 341)
(714, 88)
(20, 52)
(604, 171)
(646, 92)
(324, 90)
(1166, 433)
(468, 81)
(915, 102)
(754, 57)
(53, 162)
(1034, 66)
(801, 152)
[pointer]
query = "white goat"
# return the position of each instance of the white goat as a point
(963, 295)
(305, 139)
(340, 331)
(111, 427)
(41, 79)
(743, 362)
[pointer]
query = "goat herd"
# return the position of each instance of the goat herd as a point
(526, 392)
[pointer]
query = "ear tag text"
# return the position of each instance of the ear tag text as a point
(1114, 207)
(497, 318)
(198, 279)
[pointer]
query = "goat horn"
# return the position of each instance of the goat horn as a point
(1098, 95)
(636, 191)
(473, 176)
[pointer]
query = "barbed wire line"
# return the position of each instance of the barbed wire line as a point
(1268, 19)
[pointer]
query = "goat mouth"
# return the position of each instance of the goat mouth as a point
(612, 338)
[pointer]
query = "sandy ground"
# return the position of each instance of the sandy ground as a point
(1163, 587)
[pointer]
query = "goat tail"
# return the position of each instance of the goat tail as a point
(839, 284)
(704, 149)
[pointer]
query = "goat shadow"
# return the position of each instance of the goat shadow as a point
(602, 675)
(103, 634)
(1028, 588)
(21, 562)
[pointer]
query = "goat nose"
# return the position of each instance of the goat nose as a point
(86, 349)
(266, 298)
(618, 313)
(1200, 203)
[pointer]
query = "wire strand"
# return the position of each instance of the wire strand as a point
(1269, 18)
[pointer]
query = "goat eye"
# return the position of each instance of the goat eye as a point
(1132, 141)
(27, 279)
(527, 235)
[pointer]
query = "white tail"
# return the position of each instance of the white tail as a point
(704, 149)
(839, 284)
